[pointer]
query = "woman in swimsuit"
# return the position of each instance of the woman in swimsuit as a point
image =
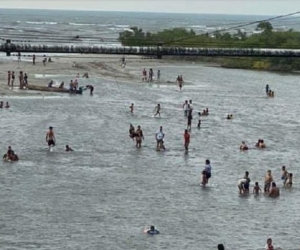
(139, 137)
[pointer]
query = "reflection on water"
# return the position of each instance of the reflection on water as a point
(107, 191)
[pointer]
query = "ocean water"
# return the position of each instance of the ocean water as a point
(56, 27)
(104, 194)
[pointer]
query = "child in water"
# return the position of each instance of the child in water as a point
(256, 188)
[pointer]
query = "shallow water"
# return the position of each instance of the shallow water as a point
(106, 192)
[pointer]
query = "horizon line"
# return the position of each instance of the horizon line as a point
(136, 11)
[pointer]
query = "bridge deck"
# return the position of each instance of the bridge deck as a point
(149, 51)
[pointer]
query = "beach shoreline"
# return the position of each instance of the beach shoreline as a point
(68, 66)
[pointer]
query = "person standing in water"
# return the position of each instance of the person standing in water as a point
(187, 138)
(8, 78)
(157, 109)
(160, 139)
(274, 191)
(185, 108)
(189, 120)
(199, 121)
(139, 137)
(269, 245)
(131, 108)
(50, 138)
(267, 89)
(158, 75)
(207, 172)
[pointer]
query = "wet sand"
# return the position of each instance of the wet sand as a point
(104, 66)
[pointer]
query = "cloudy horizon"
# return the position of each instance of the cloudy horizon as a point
(242, 7)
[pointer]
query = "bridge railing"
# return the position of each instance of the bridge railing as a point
(148, 51)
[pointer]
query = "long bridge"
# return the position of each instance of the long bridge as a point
(152, 51)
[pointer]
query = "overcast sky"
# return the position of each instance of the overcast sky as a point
(252, 7)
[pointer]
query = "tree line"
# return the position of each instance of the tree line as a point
(181, 37)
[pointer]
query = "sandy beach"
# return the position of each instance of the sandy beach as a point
(103, 66)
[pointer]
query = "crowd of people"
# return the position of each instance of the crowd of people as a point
(149, 76)
(23, 79)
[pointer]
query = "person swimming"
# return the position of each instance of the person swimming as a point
(152, 230)
(243, 146)
(10, 155)
(7, 105)
(68, 149)
(229, 117)
(260, 144)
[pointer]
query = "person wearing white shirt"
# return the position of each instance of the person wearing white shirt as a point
(241, 184)
(160, 139)
(185, 108)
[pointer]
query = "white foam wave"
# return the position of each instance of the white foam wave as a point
(82, 24)
(122, 26)
(41, 23)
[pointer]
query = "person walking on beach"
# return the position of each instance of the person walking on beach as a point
(50, 138)
(8, 78)
(33, 59)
